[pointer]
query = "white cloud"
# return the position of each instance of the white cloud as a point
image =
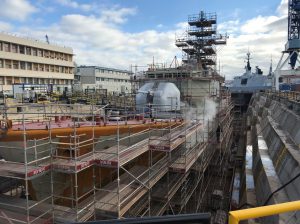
(75, 5)
(16, 9)
(98, 42)
(5, 26)
(282, 9)
(98, 39)
(182, 25)
(230, 27)
(264, 36)
(117, 15)
(259, 24)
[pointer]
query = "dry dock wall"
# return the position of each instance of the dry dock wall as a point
(275, 138)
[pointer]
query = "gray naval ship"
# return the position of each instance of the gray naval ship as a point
(251, 82)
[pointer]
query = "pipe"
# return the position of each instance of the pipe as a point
(236, 216)
(12, 135)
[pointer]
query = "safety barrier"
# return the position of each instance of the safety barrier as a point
(239, 215)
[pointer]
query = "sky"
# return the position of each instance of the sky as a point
(121, 33)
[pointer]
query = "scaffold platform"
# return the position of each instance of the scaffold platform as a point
(109, 157)
(185, 162)
(18, 170)
(174, 139)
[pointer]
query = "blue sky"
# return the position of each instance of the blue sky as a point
(118, 33)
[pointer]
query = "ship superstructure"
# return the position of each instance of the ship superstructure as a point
(251, 82)
(196, 77)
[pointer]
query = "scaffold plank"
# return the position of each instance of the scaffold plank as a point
(17, 170)
(185, 162)
(109, 157)
(71, 166)
(176, 139)
(107, 197)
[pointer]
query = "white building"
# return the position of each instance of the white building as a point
(114, 80)
(28, 61)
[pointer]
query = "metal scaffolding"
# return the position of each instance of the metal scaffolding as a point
(32, 159)
(151, 167)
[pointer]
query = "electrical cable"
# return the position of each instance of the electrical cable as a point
(280, 188)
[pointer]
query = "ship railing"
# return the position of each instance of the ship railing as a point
(290, 95)
(202, 16)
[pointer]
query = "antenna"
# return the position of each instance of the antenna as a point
(47, 39)
(271, 66)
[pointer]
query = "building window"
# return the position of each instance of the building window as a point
(6, 47)
(16, 80)
(1, 46)
(28, 50)
(41, 67)
(35, 67)
(22, 49)
(8, 80)
(29, 66)
(22, 65)
(34, 51)
(15, 65)
(1, 63)
(46, 54)
(51, 68)
(23, 80)
(14, 48)
(40, 53)
(8, 64)
(244, 81)
(47, 68)
(1, 80)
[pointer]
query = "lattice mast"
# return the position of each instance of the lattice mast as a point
(199, 42)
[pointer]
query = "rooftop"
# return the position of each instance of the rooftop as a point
(104, 68)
